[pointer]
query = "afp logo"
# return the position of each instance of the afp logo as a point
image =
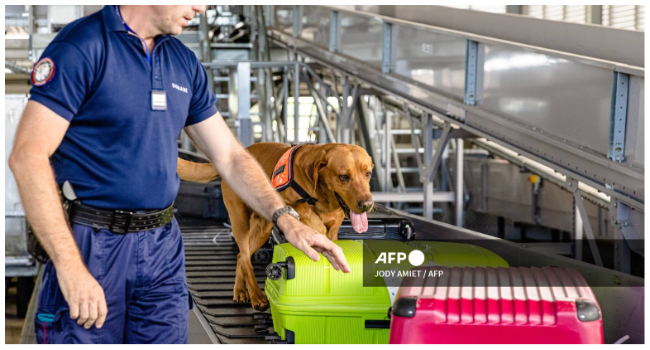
(415, 257)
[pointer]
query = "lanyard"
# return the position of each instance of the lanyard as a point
(128, 29)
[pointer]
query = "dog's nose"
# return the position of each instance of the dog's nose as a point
(365, 205)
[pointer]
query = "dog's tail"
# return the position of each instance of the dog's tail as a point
(196, 172)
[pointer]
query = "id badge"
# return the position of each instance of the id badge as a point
(158, 100)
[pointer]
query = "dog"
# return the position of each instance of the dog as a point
(336, 175)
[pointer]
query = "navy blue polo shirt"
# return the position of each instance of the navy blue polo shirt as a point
(118, 152)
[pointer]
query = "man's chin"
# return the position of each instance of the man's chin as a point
(176, 30)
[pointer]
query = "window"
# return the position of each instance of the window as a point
(630, 17)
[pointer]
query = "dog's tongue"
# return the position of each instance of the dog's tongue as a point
(359, 222)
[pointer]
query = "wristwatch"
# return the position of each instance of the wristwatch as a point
(284, 210)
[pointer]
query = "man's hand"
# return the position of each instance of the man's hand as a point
(311, 242)
(84, 295)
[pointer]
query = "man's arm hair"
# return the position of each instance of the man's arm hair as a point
(213, 137)
(39, 134)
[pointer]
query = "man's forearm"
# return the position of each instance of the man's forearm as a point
(40, 199)
(251, 184)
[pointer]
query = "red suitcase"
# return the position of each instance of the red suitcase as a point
(496, 306)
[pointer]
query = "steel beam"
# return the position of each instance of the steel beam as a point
(387, 52)
(427, 183)
(412, 197)
(322, 111)
(297, 20)
(459, 182)
(398, 168)
(618, 118)
(572, 185)
(471, 64)
(296, 103)
(432, 167)
(579, 230)
(334, 31)
(386, 151)
(285, 104)
(242, 117)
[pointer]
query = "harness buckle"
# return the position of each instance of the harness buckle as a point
(120, 215)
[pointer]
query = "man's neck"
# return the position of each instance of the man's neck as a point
(137, 19)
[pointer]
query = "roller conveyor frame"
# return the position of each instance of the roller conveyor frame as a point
(621, 296)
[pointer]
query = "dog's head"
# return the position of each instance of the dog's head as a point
(345, 171)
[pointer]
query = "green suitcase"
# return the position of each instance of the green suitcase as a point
(311, 303)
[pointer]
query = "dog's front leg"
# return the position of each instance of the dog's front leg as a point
(309, 218)
(333, 223)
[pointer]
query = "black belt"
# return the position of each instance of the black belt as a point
(120, 221)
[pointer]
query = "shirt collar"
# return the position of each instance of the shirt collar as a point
(112, 19)
(114, 23)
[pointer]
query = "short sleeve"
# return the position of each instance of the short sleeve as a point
(61, 79)
(204, 102)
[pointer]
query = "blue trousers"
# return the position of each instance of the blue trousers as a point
(143, 277)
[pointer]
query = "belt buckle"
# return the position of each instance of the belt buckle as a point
(121, 215)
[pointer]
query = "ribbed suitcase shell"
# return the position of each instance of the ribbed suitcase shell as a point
(496, 306)
(322, 305)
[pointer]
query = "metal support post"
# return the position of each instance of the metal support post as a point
(398, 168)
(628, 234)
(285, 104)
(388, 183)
(459, 182)
(516, 9)
(387, 53)
(342, 121)
(578, 232)
(415, 141)
(334, 31)
(471, 63)
(296, 104)
(618, 117)
(245, 129)
(427, 183)
(186, 143)
(206, 51)
(297, 20)
(432, 167)
(595, 15)
(622, 253)
(345, 127)
(321, 108)
(572, 186)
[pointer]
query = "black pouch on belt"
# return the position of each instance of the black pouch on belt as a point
(34, 247)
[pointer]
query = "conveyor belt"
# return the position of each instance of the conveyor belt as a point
(210, 262)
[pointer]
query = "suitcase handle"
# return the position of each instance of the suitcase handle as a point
(378, 324)
(274, 271)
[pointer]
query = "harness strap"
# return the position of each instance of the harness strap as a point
(282, 177)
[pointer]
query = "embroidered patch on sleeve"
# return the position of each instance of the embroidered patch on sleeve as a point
(43, 72)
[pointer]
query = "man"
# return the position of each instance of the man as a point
(110, 96)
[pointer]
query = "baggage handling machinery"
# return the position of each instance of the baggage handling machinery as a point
(211, 259)
(576, 119)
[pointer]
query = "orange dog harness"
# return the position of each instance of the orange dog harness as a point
(283, 176)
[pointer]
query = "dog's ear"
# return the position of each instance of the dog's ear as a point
(313, 170)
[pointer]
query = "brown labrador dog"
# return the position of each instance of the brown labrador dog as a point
(337, 175)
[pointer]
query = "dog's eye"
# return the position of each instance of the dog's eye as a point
(368, 174)
(344, 178)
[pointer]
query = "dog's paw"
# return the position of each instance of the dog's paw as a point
(259, 301)
(241, 296)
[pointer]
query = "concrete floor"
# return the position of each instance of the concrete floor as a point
(13, 324)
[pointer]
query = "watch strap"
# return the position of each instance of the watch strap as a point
(284, 210)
